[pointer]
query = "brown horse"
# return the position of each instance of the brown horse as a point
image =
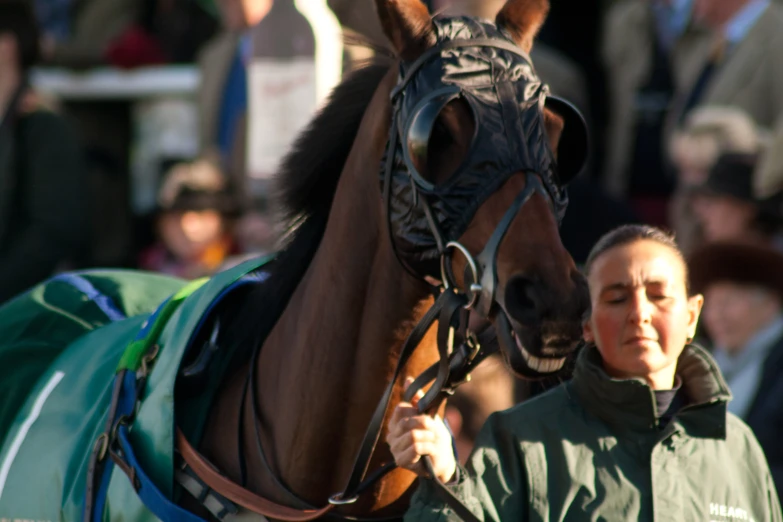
(349, 303)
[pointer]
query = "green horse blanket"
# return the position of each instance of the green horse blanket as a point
(88, 364)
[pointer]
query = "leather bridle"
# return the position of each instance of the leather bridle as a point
(459, 349)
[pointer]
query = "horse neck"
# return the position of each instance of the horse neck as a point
(325, 365)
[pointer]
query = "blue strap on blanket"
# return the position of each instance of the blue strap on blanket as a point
(125, 405)
(150, 495)
(103, 302)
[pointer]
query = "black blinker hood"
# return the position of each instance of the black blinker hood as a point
(478, 62)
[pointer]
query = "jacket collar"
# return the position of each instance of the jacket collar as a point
(629, 404)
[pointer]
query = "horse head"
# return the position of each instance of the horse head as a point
(475, 171)
(474, 157)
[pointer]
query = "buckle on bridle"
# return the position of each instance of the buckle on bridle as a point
(475, 288)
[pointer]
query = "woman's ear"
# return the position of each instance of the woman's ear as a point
(587, 331)
(695, 304)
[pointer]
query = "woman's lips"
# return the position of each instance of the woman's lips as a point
(639, 340)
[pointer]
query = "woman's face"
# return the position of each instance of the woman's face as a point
(734, 313)
(641, 314)
(723, 218)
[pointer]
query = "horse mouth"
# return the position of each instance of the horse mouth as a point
(539, 364)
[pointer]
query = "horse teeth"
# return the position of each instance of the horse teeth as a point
(540, 364)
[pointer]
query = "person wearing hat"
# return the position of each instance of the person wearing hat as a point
(742, 284)
(707, 133)
(725, 206)
(195, 222)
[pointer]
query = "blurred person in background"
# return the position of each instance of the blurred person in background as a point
(162, 32)
(181, 27)
(43, 214)
(79, 33)
(740, 65)
(644, 48)
(726, 209)
(223, 96)
(742, 285)
(195, 222)
(694, 149)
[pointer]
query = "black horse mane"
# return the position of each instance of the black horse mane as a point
(304, 191)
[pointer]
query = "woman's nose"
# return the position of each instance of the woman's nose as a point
(641, 310)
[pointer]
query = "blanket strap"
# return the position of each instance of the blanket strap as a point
(128, 384)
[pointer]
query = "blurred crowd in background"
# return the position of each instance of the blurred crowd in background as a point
(684, 100)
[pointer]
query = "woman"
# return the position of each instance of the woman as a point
(641, 432)
(743, 315)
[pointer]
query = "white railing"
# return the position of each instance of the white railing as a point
(117, 84)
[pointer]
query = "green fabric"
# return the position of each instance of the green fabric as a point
(152, 434)
(131, 359)
(591, 449)
(38, 325)
(48, 474)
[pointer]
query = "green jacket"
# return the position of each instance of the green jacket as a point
(592, 449)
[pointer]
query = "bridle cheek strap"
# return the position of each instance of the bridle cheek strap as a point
(487, 259)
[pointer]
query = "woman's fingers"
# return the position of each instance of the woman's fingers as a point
(412, 435)
(402, 411)
(419, 394)
(414, 453)
(410, 439)
(409, 459)
(416, 422)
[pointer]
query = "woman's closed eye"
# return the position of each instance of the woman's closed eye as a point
(616, 298)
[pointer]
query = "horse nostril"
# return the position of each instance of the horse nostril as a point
(520, 299)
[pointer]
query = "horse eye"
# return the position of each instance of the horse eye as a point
(441, 135)
(449, 142)
(437, 138)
